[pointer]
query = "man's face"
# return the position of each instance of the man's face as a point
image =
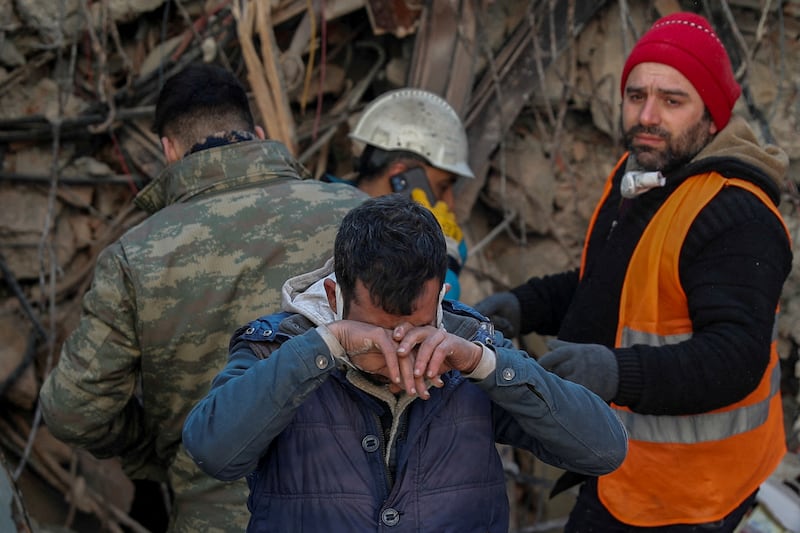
(663, 117)
(362, 309)
(442, 183)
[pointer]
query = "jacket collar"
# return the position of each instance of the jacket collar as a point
(219, 168)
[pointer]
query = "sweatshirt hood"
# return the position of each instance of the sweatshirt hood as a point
(305, 295)
(738, 141)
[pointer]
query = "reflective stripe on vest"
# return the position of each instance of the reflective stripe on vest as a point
(685, 469)
(631, 336)
(703, 427)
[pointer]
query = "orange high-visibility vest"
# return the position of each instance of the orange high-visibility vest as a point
(695, 468)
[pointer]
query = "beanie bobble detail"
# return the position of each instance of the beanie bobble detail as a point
(686, 42)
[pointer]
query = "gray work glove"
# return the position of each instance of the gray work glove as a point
(503, 310)
(592, 365)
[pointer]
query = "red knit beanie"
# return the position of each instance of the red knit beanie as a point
(686, 42)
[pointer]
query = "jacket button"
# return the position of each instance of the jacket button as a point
(508, 374)
(250, 330)
(370, 443)
(322, 362)
(390, 517)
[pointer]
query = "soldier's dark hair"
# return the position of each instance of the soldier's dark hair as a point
(393, 246)
(374, 161)
(200, 100)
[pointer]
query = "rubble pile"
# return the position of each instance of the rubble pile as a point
(536, 83)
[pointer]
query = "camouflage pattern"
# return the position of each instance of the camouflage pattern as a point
(229, 226)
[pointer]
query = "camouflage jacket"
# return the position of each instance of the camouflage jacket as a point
(228, 226)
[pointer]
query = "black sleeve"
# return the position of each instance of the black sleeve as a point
(544, 301)
(732, 267)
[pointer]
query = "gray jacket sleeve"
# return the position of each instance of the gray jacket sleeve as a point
(252, 401)
(563, 423)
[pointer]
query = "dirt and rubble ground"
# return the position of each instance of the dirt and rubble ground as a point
(538, 91)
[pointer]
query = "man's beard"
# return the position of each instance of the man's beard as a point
(678, 151)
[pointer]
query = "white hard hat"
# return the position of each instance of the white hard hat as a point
(416, 121)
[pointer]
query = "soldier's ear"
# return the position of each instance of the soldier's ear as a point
(260, 133)
(172, 151)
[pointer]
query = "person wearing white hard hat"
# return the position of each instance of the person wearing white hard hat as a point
(415, 143)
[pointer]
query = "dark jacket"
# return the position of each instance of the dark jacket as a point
(331, 449)
(403, 472)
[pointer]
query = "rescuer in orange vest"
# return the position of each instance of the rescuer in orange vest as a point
(672, 313)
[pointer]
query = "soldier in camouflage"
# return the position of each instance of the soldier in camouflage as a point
(231, 218)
